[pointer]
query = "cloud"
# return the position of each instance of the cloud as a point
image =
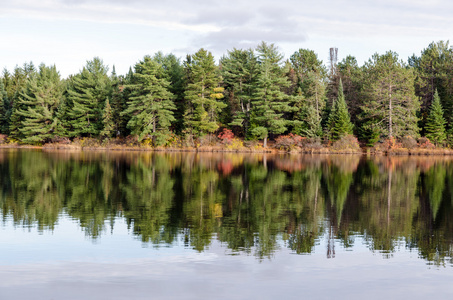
(219, 25)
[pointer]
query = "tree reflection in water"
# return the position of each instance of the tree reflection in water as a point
(253, 204)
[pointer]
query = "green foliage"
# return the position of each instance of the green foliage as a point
(150, 103)
(38, 104)
(240, 72)
(3, 109)
(312, 77)
(433, 72)
(435, 122)
(340, 121)
(269, 101)
(389, 105)
(87, 93)
(203, 94)
(174, 73)
(107, 120)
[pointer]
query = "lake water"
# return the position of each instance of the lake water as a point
(114, 225)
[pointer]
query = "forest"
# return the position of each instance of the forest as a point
(254, 95)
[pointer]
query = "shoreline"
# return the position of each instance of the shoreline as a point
(218, 149)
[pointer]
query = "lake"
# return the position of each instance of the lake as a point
(140, 225)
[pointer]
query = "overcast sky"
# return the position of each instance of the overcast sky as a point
(70, 32)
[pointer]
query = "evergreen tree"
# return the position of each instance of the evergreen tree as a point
(38, 104)
(312, 77)
(433, 72)
(174, 73)
(150, 103)
(16, 85)
(269, 101)
(351, 77)
(312, 125)
(340, 121)
(435, 122)
(3, 111)
(118, 105)
(203, 94)
(87, 94)
(240, 72)
(389, 105)
(107, 121)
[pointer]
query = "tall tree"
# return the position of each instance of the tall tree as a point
(174, 73)
(3, 109)
(17, 85)
(107, 121)
(150, 104)
(433, 72)
(87, 94)
(203, 94)
(118, 104)
(389, 105)
(312, 77)
(340, 121)
(240, 73)
(269, 101)
(435, 122)
(351, 76)
(38, 104)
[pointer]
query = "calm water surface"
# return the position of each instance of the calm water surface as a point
(97, 225)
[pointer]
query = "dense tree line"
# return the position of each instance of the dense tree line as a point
(255, 92)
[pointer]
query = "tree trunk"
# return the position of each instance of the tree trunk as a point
(265, 142)
(390, 113)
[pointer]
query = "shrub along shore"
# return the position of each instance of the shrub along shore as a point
(292, 144)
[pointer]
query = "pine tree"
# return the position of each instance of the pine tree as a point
(203, 94)
(269, 101)
(107, 121)
(312, 77)
(312, 125)
(38, 104)
(389, 105)
(174, 73)
(340, 121)
(435, 122)
(3, 102)
(87, 94)
(240, 71)
(433, 72)
(150, 103)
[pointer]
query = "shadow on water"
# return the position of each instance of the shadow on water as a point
(253, 204)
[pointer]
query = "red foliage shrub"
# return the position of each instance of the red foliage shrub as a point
(226, 136)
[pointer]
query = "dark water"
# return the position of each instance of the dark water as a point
(92, 225)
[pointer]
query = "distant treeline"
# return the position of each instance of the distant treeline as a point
(255, 92)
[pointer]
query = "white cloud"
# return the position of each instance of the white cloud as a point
(220, 25)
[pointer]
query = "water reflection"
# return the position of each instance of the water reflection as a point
(251, 203)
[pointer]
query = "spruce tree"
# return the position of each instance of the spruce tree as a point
(341, 120)
(269, 101)
(435, 122)
(150, 103)
(203, 94)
